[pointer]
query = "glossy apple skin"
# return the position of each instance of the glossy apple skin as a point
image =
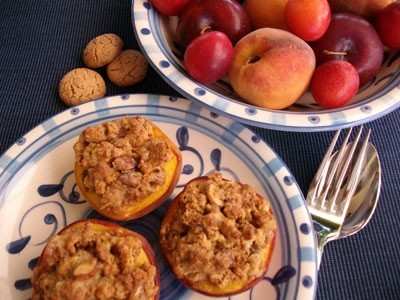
(169, 7)
(388, 26)
(168, 218)
(365, 8)
(108, 226)
(227, 16)
(334, 83)
(208, 57)
(356, 40)
(308, 19)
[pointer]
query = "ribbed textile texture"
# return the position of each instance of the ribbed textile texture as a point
(41, 40)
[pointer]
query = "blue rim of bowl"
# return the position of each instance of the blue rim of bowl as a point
(146, 24)
(65, 125)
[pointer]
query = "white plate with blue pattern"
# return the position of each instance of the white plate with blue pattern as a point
(38, 195)
(155, 35)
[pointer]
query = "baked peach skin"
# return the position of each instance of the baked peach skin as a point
(140, 207)
(104, 226)
(271, 68)
(210, 289)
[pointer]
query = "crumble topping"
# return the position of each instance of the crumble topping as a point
(122, 161)
(83, 263)
(219, 232)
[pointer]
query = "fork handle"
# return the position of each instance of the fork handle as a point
(323, 235)
(320, 249)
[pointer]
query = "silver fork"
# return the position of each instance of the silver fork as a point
(336, 174)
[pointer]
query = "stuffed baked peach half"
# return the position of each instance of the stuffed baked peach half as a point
(94, 259)
(218, 236)
(126, 168)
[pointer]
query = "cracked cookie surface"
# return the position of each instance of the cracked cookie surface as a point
(81, 85)
(129, 68)
(102, 50)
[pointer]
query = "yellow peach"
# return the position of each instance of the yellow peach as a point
(271, 68)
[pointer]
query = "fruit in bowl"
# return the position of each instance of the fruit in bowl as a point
(352, 38)
(388, 25)
(308, 19)
(269, 13)
(212, 47)
(227, 16)
(170, 7)
(278, 80)
(271, 68)
(365, 8)
(334, 83)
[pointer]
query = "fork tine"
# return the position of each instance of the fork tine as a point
(334, 168)
(324, 165)
(354, 179)
(344, 169)
(321, 183)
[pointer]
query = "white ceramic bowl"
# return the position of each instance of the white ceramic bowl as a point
(155, 36)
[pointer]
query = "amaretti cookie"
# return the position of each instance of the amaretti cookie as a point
(129, 68)
(102, 50)
(81, 85)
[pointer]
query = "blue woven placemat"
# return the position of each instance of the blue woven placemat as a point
(41, 40)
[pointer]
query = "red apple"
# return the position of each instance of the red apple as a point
(353, 39)
(169, 7)
(227, 16)
(388, 25)
(364, 8)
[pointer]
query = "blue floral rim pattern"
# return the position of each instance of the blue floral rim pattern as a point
(297, 275)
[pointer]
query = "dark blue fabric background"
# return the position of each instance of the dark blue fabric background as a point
(40, 40)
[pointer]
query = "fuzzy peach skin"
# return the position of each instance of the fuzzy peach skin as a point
(208, 288)
(103, 226)
(365, 8)
(271, 68)
(141, 207)
(265, 13)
